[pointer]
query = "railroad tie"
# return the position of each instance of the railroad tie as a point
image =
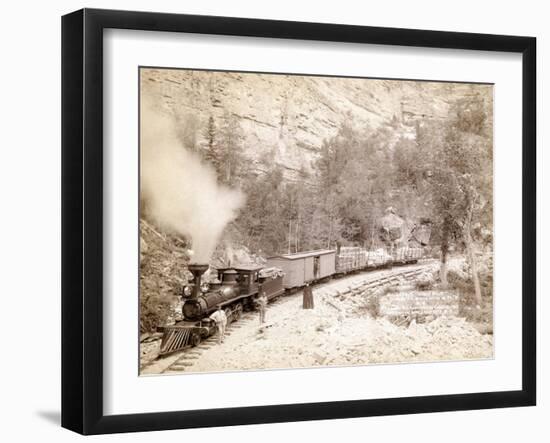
(185, 363)
(174, 368)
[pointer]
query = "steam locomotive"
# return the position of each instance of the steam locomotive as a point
(238, 287)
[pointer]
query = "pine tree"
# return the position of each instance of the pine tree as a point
(211, 154)
(230, 150)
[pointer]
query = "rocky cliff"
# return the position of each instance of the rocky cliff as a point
(285, 118)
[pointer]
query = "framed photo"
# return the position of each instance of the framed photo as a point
(269, 221)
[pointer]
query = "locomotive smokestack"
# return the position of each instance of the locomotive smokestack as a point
(197, 270)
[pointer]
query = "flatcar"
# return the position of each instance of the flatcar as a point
(407, 255)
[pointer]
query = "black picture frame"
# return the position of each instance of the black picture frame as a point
(82, 220)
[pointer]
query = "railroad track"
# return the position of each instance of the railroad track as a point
(188, 356)
(183, 360)
(394, 278)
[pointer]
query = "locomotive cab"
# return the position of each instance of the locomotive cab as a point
(249, 279)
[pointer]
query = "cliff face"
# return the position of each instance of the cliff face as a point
(286, 118)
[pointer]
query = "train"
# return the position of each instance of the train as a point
(238, 287)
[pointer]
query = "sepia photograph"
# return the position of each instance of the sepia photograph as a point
(294, 221)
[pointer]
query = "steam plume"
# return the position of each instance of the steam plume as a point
(179, 191)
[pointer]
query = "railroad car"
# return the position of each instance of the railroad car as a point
(407, 255)
(353, 259)
(304, 267)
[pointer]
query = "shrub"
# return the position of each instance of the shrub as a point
(425, 281)
(155, 311)
(163, 269)
(390, 289)
(373, 305)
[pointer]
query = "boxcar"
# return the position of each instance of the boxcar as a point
(304, 267)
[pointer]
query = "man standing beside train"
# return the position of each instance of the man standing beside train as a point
(262, 306)
(220, 319)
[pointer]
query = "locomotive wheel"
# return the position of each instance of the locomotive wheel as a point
(229, 315)
(238, 311)
(195, 339)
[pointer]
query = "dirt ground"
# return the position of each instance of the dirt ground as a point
(338, 331)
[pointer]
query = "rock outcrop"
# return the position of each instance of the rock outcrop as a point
(286, 118)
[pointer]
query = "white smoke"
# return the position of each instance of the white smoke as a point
(179, 191)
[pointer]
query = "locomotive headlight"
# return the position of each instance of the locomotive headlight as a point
(187, 291)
